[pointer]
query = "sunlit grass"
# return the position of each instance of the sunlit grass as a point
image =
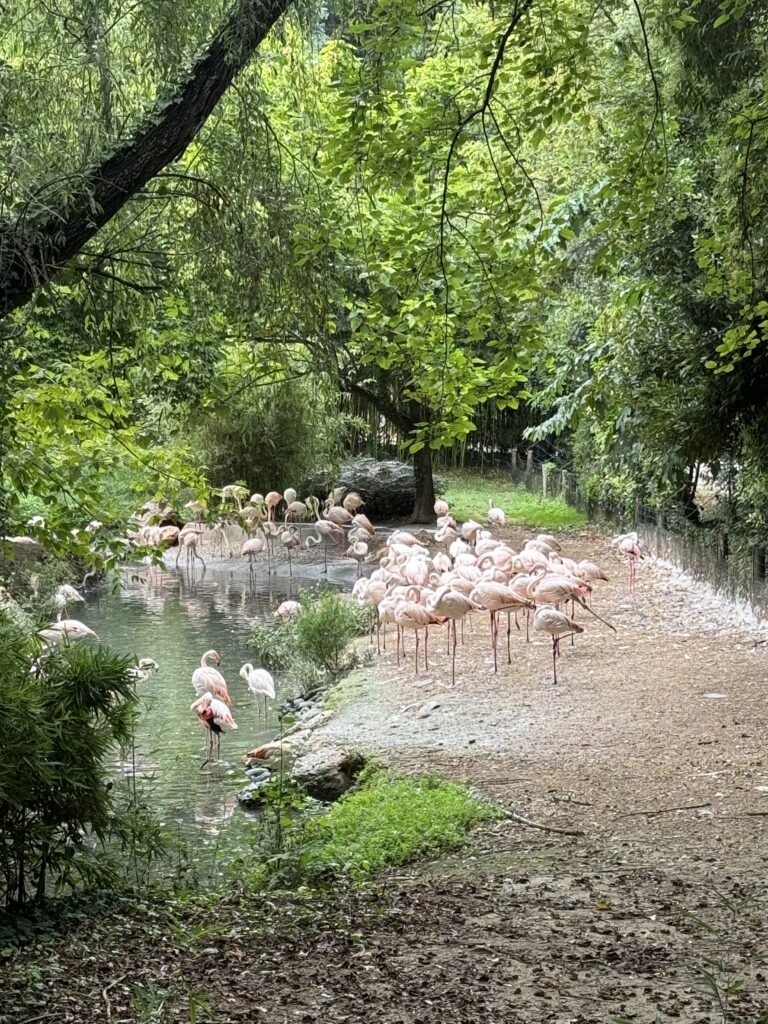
(468, 495)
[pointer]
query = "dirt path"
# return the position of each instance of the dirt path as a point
(671, 712)
(667, 785)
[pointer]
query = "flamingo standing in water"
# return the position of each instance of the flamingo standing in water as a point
(66, 595)
(288, 610)
(556, 624)
(260, 683)
(207, 679)
(214, 715)
(254, 546)
(188, 545)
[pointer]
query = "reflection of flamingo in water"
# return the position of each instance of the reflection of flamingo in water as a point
(213, 714)
(557, 624)
(188, 546)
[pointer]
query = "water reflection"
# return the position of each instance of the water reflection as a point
(174, 617)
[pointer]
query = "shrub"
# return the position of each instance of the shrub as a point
(274, 644)
(326, 629)
(318, 641)
(59, 809)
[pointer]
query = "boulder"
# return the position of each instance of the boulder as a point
(386, 487)
(328, 772)
(252, 797)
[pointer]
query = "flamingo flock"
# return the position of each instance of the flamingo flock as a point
(473, 570)
(274, 520)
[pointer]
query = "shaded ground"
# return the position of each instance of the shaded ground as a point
(667, 787)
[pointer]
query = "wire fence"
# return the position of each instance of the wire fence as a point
(715, 552)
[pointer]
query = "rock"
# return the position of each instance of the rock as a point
(252, 797)
(328, 772)
(387, 487)
(259, 774)
(426, 709)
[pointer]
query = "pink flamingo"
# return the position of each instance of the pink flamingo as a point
(557, 624)
(410, 615)
(453, 606)
(213, 714)
(496, 597)
(207, 679)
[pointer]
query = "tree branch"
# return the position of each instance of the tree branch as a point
(31, 252)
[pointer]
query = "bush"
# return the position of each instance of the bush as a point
(59, 809)
(325, 630)
(318, 641)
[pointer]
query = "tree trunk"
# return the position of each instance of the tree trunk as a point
(423, 510)
(32, 253)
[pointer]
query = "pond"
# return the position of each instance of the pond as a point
(174, 617)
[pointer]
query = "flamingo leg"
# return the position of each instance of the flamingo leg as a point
(398, 646)
(426, 640)
(509, 630)
(493, 641)
(573, 616)
(517, 624)
(452, 622)
(527, 625)
(554, 657)
(417, 651)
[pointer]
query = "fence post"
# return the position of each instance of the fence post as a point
(722, 546)
(564, 482)
(514, 458)
(529, 461)
(758, 562)
(544, 478)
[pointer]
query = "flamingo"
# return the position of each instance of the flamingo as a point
(290, 495)
(452, 605)
(254, 546)
(630, 549)
(410, 615)
(497, 597)
(441, 508)
(208, 679)
(64, 631)
(143, 670)
(324, 530)
(260, 683)
(290, 539)
(271, 500)
(358, 551)
(66, 595)
(288, 610)
(352, 502)
(295, 511)
(496, 515)
(213, 714)
(557, 624)
(188, 545)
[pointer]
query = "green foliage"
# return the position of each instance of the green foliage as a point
(326, 628)
(63, 821)
(274, 644)
(390, 821)
(317, 643)
(468, 495)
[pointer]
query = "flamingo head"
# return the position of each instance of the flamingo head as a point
(210, 656)
(245, 671)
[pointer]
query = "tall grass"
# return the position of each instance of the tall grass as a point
(468, 495)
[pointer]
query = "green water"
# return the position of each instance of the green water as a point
(174, 617)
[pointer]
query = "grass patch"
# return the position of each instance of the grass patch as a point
(468, 495)
(391, 821)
